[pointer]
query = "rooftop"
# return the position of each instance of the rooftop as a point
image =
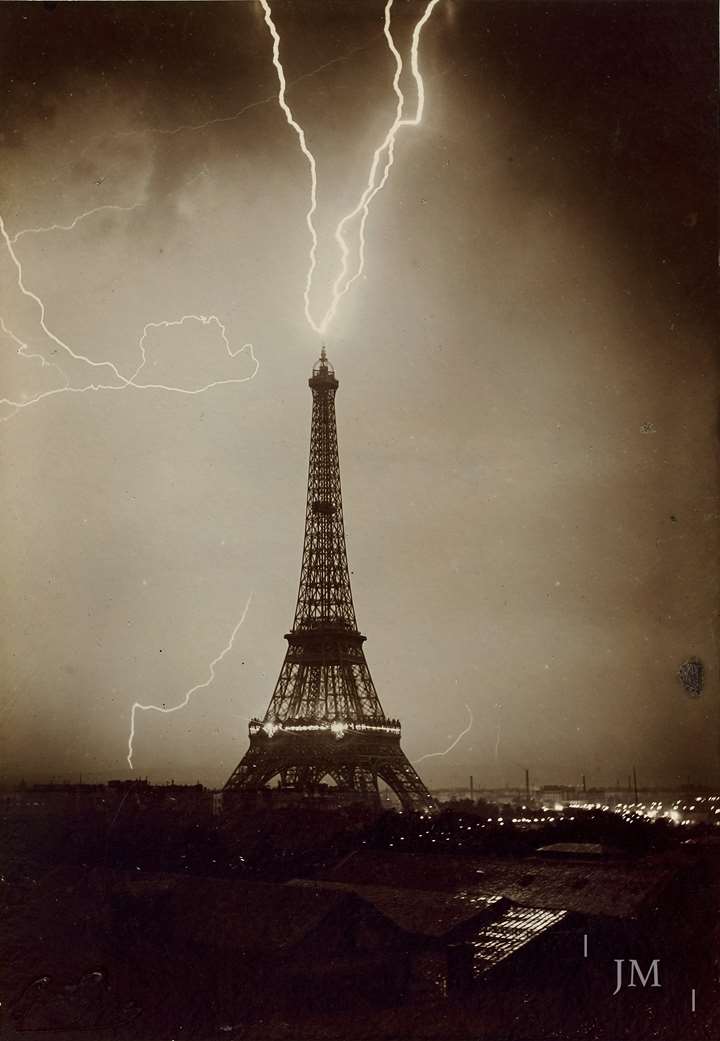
(515, 928)
(612, 888)
(241, 915)
(421, 912)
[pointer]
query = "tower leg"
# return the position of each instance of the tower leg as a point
(403, 779)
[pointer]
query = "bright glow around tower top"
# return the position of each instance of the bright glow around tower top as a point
(322, 366)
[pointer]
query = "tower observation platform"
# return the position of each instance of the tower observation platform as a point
(325, 721)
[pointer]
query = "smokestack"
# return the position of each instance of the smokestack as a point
(635, 783)
(527, 783)
(472, 789)
(584, 785)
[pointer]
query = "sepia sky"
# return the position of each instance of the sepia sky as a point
(526, 412)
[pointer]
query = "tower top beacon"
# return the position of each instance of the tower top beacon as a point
(323, 374)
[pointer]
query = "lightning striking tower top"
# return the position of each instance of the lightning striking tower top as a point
(325, 720)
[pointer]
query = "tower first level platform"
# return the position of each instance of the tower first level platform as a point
(303, 754)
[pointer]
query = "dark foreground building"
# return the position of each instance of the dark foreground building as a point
(325, 722)
(380, 945)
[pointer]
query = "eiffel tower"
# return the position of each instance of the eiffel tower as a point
(325, 718)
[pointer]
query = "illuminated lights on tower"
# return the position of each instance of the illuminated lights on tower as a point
(325, 719)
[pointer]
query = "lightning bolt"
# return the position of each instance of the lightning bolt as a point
(123, 382)
(23, 349)
(383, 156)
(204, 320)
(172, 131)
(41, 306)
(75, 222)
(131, 382)
(183, 127)
(342, 283)
(461, 735)
(387, 148)
(292, 122)
(105, 206)
(137, 707)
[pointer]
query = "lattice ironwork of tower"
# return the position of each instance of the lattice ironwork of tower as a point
(325, 720)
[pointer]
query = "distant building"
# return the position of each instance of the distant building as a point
(601, 886)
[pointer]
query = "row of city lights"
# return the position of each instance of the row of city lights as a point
(657, 809)
(338, 727)
(680, 812)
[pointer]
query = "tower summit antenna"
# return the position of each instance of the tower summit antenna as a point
(325, 718)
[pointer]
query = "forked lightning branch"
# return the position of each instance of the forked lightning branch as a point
(107, 377)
